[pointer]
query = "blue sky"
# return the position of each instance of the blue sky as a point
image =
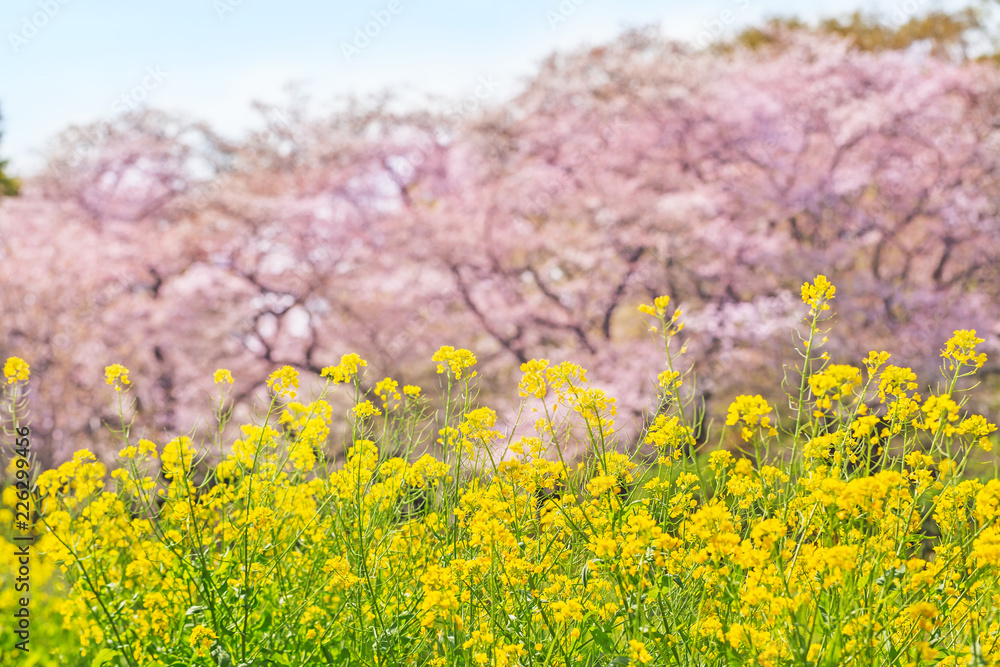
(77, 61)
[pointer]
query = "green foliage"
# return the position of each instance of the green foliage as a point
(9, 187)
(945, 32)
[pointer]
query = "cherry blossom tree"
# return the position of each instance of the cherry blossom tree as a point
(722, 178)
(639, 168)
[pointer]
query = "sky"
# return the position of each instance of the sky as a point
(65, 62)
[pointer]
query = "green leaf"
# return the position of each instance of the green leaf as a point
(976, 658)
(344, 655)
(824, 614)
(104, 656)
(266, 621)
(195, 609)
(601, 638)
(221, 656)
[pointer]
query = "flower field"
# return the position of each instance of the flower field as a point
(859, 524)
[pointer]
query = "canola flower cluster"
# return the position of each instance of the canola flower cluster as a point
(850, 532)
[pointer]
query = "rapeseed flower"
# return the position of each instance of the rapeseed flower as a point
(961, 349)
(346, 371)
(16, 370)
(454, 361)
(117, 376)
(284, 382)
(871, 530)
(818, 293)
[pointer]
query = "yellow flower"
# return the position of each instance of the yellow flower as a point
(411, 390)
(864, 427)
(346, 371)
(603, 546)
(457, 360)
(659, 311)
(533, 382)
(478, 423)
(669, 381)
(838, 379)
(961, 347)
(177, 456)
(666, 434)
(658, 308)
(565, 376)
(602, 484)
(147, 447)
(875, 360)
(896, 381)
(223, 375)
(16, 370)
(767, 532)
(988, 502)
(365, 410)
(720, 459)
(978, 429)
(923, 614)
(638, 653)
(284, 381)
(753, 411)
(201, 640)
(986, 548)
(116, 375)
(940, 411)
(302, 453)
(261, 519)
(387, 390)
(817, 293)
